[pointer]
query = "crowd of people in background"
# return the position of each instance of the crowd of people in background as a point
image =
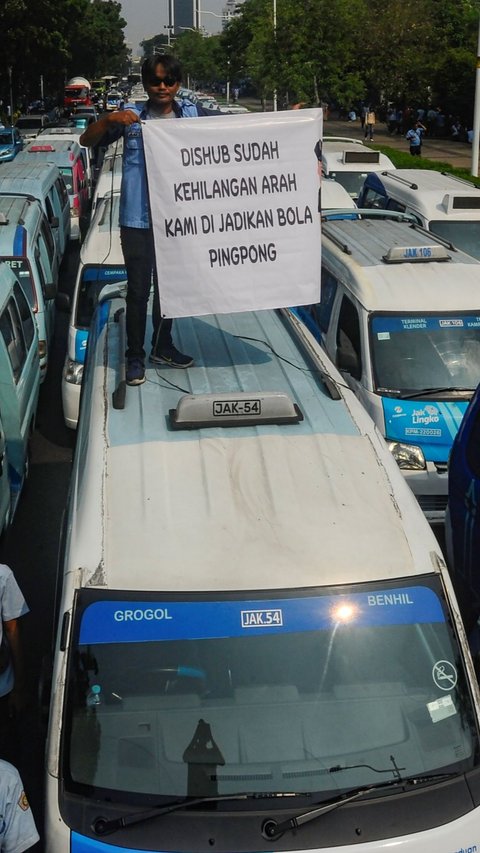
(433, 122)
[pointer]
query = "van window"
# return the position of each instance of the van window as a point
(62, 191)
(67, 173)
(464, 234)
(417, 352)
(374, 200)
(327, 297)
(47, 235)
(25, 315)
(12, 333)
(348, 332)
(50, 210)
(45, 258)
(21, 268)
(42, 272)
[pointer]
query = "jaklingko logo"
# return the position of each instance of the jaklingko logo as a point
(426, 416)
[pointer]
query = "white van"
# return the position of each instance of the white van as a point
(399, 315)
(256, 626)
(73, 134)
(101, 263)
(19, 388)
(27, 246)
(67, 155)
(349, 161)
(444, 204)
(44, 182)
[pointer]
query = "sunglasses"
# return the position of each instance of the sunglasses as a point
(167, 81)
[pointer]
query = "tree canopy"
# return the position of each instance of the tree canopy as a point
(341, 51)
(58, 39)
(346, 51)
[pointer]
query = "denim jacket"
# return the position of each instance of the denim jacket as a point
(134, 202)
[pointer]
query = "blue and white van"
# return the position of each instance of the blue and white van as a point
(400, 317)
(258, 646)
(19, 389)
(27, 246)
(44, 182)
(101, 263)
(444, 204)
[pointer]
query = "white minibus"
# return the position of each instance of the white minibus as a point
(44, 182)
(101, 263)
(27, 246)
(19, 389)
(442, 203)
(259, 647)
(399, 315)
(349, 162)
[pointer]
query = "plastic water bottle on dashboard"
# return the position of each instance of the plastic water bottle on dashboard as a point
(93, 697)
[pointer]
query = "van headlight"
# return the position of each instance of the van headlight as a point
(73, 372)
(407, 455)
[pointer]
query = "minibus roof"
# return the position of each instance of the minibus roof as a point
(349, 156)
(435, 195)
(28, 172)
(102, 241)
(16, 215)
(394, 266)
(50, 150)
(255, 506)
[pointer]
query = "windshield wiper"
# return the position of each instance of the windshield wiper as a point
(272, 830)
(102, 826)
(444, 389)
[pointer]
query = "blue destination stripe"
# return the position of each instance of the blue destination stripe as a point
(152, 621)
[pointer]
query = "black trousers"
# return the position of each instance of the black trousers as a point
(139, 255)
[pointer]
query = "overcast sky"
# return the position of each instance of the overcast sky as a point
(146, 18)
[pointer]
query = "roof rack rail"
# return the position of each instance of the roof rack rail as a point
(461, 180)
(119, 394)
(400, 179)
(368, 213)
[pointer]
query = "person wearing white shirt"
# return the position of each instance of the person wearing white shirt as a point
(17, 826)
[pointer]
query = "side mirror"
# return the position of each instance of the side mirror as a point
(62, 302)
(348, 361)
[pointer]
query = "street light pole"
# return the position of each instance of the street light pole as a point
(11, 93)
(275, 49)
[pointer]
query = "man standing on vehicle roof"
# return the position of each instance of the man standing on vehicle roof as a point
(161, 77)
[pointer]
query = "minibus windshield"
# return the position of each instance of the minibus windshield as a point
(321, 692)
(21, 268)
(93, 280)
(416, 352)
(464, 234)
(352, 181)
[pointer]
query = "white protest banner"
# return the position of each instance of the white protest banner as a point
(234, 205)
